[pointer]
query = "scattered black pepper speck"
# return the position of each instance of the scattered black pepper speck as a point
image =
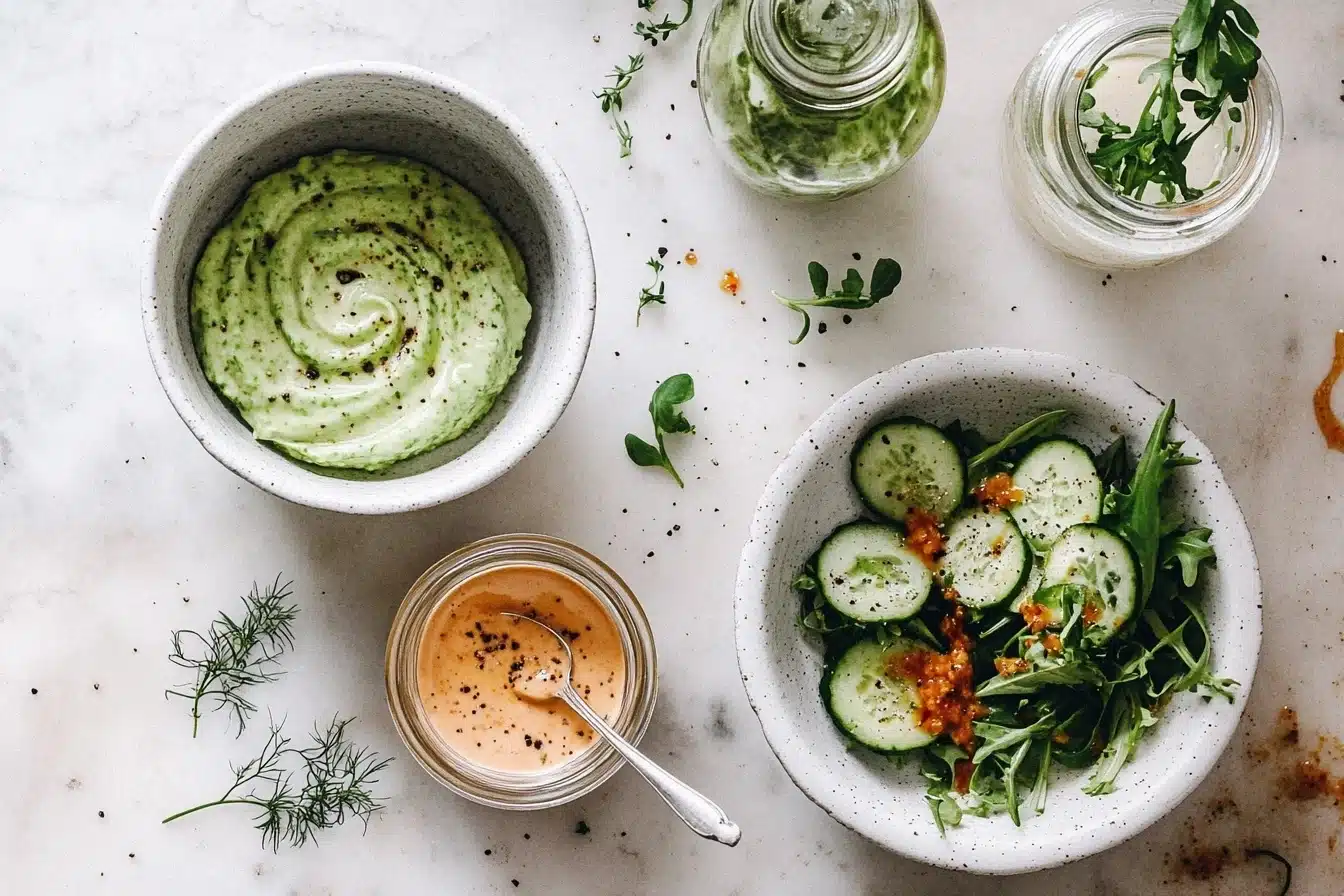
(821, 327)
(662, 251)
(487, 852)
(101, 814)
(527, 836)
(847, 319)
(650, 554)
(34, 691)
(514, 881)
(858, 257)
(582, 828)
(801, 364)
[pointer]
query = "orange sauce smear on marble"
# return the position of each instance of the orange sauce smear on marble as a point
(1326, 418)
(471, 655)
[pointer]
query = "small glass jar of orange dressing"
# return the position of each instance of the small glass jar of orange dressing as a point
(453, 658)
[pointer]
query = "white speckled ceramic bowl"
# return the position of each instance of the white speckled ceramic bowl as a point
(402, 111)
(810, 494)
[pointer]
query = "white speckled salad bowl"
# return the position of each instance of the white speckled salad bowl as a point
(810, 494)
(402, 111)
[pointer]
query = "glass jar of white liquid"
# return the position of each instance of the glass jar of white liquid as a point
(1052, 181)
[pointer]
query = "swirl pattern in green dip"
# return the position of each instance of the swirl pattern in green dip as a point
(359, 309)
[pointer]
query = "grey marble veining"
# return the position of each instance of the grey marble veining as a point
(115, 527)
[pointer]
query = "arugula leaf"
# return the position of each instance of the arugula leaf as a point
(1188, 549)
(673, 391)
(1113, 464)
(1010, 780)
(1128, 721)
(885, 278)
(1037, 797)
(1036, 428)
(939, 768)
(1212, 43)
(1135, 512)
(997, 738)
(1073, 672)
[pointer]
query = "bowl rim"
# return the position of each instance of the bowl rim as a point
(414, 492)
(754, 662)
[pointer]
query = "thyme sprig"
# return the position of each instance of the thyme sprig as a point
(1212, 44)
(329, 785)
(235, 654)
(613, 99)
(653, 294)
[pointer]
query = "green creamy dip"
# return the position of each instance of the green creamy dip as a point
(359, 309)
(783, 145)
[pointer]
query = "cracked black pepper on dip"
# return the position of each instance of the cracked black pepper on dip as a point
(359, 309)
(471, 657)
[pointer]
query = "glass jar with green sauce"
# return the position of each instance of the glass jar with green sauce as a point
(819, 99)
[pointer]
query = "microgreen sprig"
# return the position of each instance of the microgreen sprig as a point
(613, 99)
(330, 785)
(236, 653)
(673, 391)
(1212, 44)
(653, 293)
(653, 32)
(886, 277)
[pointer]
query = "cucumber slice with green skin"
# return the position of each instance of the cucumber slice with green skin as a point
(866, 573)
(870, 704)
(1102, 561)
(986, 558)
(1030, 586)
(906, 463)
(1060, 488)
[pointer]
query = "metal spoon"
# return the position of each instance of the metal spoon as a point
(698, 811)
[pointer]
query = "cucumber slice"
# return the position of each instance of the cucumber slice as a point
(907, 463)
(1060, 488)
(1102, 561)
(1030, 586)
(986, 557)
(870, 704)
(868, 574)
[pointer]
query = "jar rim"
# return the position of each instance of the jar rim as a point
(888, 55)
(1096, 33)
(577, 775)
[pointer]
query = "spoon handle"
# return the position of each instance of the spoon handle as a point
(697, 810)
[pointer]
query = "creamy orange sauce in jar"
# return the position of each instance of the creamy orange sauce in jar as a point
(470, 657)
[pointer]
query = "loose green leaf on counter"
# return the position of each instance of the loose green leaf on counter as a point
(654, 32)
(653, 293)
(1212, 44)
(885, 278)
(299, 791)
(673, 391)
(234, 654)
(613, 99)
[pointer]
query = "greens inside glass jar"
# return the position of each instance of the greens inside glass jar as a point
(816, 98)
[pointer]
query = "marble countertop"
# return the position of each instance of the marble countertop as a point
(115, 527)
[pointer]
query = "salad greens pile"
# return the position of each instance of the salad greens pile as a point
(1083, 701)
